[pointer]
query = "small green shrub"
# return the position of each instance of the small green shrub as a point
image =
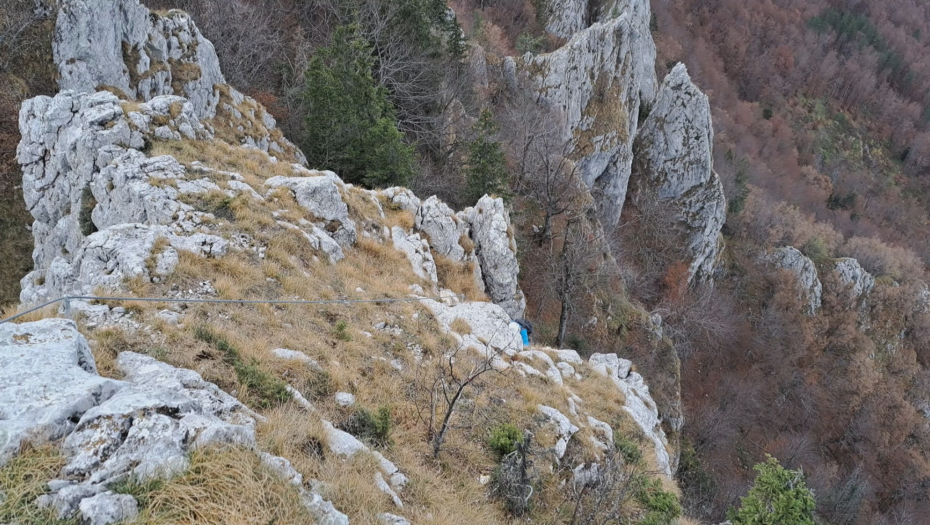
(527, 43)
(374, 428)
(342, 331)
(141, 490)
(515, 480)
(778, 495)
(504, 438)
(661, 507)
(265, 390)
(816, 249)
(627, 449)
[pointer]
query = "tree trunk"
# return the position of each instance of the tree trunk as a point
(563, 324)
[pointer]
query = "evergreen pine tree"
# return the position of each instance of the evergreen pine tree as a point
(486, 167)
(350, 125)
(778, 496)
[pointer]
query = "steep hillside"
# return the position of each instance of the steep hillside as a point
(403, 393)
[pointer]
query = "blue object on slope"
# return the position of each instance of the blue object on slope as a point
(526, 336)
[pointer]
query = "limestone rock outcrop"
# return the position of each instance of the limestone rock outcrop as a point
(103, 210)
(142, 426)
(810, 290)
(496, 250)
(123, 45)
(319, 194)
(598, 81)
(853, 275)
(639, 403)
(564, 18)
(138, 54)
(674, 166)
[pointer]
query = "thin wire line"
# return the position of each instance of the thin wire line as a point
(223, 301)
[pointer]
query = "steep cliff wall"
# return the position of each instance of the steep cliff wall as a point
(599, 81)
(674, 164)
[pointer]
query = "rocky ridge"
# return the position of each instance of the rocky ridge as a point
(107, 212)
(139, 55)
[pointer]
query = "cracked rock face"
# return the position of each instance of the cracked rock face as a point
(320, 196)
(810, 289)
(496, 251)
(853, 275)
(639, 403)
(104, 211)
(598, 80)
(144, 425)
(674, 164)
(123, 45)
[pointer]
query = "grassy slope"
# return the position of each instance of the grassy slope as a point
(445, 491)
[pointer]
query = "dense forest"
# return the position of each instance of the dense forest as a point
(822, 140)
(822, 118)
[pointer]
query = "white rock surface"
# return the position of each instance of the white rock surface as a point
(48, 379)
(854, 275)
(143, 426)
(442, 228)
(392, 519)
(417, 251)
(549, 369)
(496, 250)
(639, 403)
(565, 429)
(674, 163)
(124, 45)
(320, 196)
(564, 18)
(491, 333)
(319, 240)
(345, 399)
(402, 198)
(598, 81)
(810, 290)
(107, 507)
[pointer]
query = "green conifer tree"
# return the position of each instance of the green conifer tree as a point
(486, 166)
(778, 496)
(350, 125)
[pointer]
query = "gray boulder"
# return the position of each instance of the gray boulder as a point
(810, 290)
(442, 228)
(852, 274)
(107, 507)
(638, 403)
(320, 196)
(417, 251)
(144, 426)
(48, 378)
(674, 164)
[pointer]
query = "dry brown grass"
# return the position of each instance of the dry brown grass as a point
(24, 479)
(223, 487)
(458, 277)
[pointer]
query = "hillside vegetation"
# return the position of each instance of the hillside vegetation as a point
(731, 195)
